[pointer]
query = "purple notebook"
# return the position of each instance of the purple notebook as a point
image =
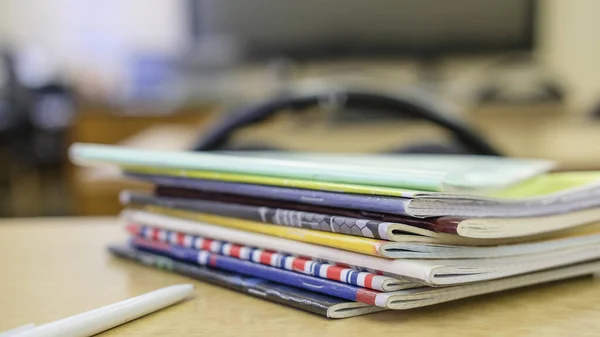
(372, 203)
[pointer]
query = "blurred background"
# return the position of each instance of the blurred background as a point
(162, 73)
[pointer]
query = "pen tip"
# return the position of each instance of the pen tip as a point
(188, 286)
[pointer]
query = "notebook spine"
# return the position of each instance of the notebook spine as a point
(279, 260)
(254, 286)
(203, 257)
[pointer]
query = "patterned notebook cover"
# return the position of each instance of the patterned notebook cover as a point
(196, 194)
(496, 230)
(270, 258)
(450, 230)
(328, 306)
(399, 300)
(432, 272)
(402, 299)
(283, 217)
(346, 242)
(302, 281)
(445, 225)
(341, 273)
(398, 250)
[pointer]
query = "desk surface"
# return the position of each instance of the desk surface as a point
(54, 268)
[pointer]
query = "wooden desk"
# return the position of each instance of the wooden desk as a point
(53, 268)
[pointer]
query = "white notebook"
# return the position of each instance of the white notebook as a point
(431, 272)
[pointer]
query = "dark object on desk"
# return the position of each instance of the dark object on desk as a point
(13, 98)
(596, 111)
(468, 140)
(519, 81)
(33, 120)
(542, 92)
(33, 128)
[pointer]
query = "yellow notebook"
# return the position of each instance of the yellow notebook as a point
(347, 242)
(394, 250)
(539, 186)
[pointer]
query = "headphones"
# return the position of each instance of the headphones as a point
(469, 141)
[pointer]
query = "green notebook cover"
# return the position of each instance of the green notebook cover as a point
(437, 173)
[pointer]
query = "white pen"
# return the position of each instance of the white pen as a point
(95, 321)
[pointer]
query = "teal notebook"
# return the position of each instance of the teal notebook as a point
(437, 173)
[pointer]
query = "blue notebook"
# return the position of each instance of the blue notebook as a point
(328, 306)
(302, 281)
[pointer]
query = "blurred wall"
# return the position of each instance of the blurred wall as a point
(83, 35)
(569, 35)
(88, 35)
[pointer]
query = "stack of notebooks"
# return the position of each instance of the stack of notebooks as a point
(346, 235)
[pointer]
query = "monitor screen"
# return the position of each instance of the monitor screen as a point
(346, 28)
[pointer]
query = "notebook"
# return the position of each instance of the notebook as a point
(419, 207)
(444, 230)
(565, 183)
(284, 261)
(397, 300)
(431, 272)
(206, 258)
(427, 173)
(428, 186)
(324, 305)
(589, 235)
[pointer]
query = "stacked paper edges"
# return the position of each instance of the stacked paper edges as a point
(343, 235)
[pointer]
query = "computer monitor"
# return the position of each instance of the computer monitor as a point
(326, 29)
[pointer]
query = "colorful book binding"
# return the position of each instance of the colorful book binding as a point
(328, 306)
(302, 281)
(397, 300)
(273, 259)
(396, 250)
(431, 272)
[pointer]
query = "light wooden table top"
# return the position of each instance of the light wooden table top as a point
(53, 268)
